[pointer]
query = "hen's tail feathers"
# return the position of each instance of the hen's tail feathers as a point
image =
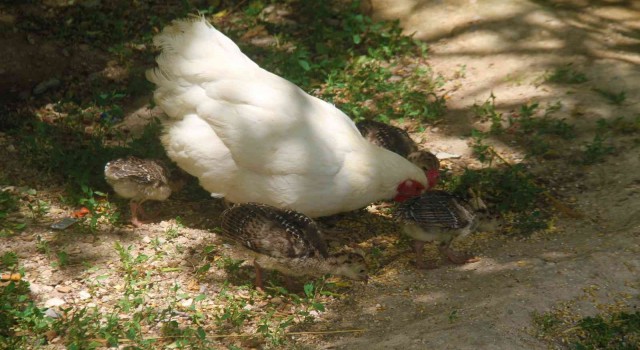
(193, 50)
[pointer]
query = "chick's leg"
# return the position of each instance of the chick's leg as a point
(456, 257)
(418, 247)
(258, 269)
(135, 208)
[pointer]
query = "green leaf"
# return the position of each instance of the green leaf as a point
(304, 64)
(201, 333)
(356, 39)
(318, 306)
(308, 290)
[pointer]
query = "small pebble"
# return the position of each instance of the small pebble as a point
(52, 313)
(187, 303)
(46, 85)
(39, 288)
(53, 302)
(84, 295)
(63, 289)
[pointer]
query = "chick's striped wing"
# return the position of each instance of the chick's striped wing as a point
(273, 232)
(387, 136)
(143, 171)
(434, 209)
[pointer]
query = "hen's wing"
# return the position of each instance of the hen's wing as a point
(273, 232)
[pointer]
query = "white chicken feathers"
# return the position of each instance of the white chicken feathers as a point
(252, 136)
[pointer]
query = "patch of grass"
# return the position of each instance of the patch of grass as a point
(510, 192)
(616, 98)
(99, 208)
(617, 330)
(596, 150)
(525, 122)
(8, 261)
(529, 126)
(63, 259)
(234, 313)
(42, 245)
(9, 203)
(368, 69)
(22, 323)
(537, 131)
(566, 75)
(173, 231)
(487, 112)
(621, 125)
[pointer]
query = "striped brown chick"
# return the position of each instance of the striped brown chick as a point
(398, 141)
(387, 136)
(436, 216)
(139, 180)
(286, 241)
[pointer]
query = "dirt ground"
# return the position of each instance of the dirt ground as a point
(479, 47)
(505, 48)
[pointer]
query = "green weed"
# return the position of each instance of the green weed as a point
(234, 313)
(22, 323)
(9, 204)
(8, 260)
(596, 150)
(529, 126)
(173, 231)
(98, 206)
(566, 75)
(42, 245)
(616, 98)
(510, 192)
(487, 112)
(620, 125)
(63, 259)
(617, 330)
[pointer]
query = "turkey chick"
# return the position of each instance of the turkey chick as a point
(139, 180)
(286, 241)
(436, 216)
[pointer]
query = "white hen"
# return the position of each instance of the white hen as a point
(251, 136)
